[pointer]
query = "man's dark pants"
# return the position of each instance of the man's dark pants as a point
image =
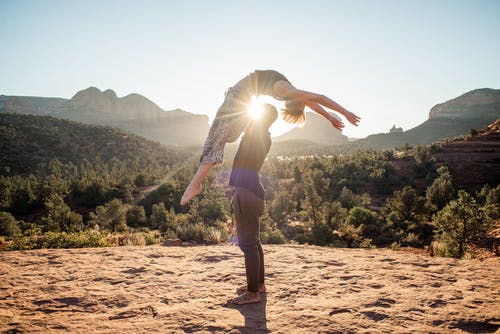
(247, 209)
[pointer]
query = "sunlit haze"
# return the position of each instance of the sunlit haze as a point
(255, 107)
(387, 61)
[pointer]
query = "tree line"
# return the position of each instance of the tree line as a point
(363, 199)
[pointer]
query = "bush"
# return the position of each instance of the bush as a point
(169, 234)
(441, 191)
(8, 225)
(134, 239)
(191, 232)
(320, 234)
(152, 238)
(136, 216)
(360, 216)
(273, 236)
(405, 206)
(59, 240)
(213, 235)
(396, 245)
(461, 222)
(111, 216)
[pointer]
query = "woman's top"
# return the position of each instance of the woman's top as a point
(232, 116)
(251, 154)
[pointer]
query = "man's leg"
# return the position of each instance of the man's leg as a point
(261, 267)
(247, 211)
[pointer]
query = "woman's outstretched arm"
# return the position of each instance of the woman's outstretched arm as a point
(287, 91)
(336, 123)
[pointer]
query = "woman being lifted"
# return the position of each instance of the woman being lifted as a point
(232, 117)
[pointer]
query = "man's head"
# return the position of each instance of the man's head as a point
(269, 115)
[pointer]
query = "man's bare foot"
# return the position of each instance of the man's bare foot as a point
(243, 288)
(246, 298)
(191, 191)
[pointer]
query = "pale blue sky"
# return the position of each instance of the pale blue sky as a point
(387, 61)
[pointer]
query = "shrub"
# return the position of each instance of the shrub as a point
(152, 238)
(136, 216)
(111, 216)
(406, 206)
(273, 236)
(441, 190)
(461, 222)
(169, 234)
(396, 245)
(8, 225)
(213, 235)
(365, 224)
(472, 132)
(320, 234)
(412, 240)
(366, 243)
(191, 232)
(134, 239)
(59, 240)
(60, 217)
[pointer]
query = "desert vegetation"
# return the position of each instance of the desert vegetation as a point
(86, 186)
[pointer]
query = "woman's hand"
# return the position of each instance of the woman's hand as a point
(337, 124)
(352, 118)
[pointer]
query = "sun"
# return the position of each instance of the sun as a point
(255, 107)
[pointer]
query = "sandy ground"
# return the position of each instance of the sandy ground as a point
(184, 290)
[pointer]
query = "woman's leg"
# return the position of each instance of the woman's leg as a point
(195, 186)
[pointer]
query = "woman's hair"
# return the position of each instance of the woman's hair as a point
(294, 112)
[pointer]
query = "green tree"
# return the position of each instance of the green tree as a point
(406, 206)
(159, 215)
(348, 199)
(281, 207)
(441, 190)
(315, 184)
(8, 225)
(60, 217)
(136, 216)
(461, 222)
(361, 216)
(111, 216)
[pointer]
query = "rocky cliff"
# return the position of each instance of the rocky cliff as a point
(473, 110)
(476, 103)
(473, 159)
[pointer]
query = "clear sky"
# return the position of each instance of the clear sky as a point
(387, 61)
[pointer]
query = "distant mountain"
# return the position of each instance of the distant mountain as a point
(473, 110)
(133, 113)
(317, 130)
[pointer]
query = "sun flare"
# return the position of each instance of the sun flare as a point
(255, 107)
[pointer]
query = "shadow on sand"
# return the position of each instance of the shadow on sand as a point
(255, 316)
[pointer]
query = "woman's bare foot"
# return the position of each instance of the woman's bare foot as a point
(243, 288)
(246, 298)
(191, 191)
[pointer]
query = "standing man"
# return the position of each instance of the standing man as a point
(248, 202)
